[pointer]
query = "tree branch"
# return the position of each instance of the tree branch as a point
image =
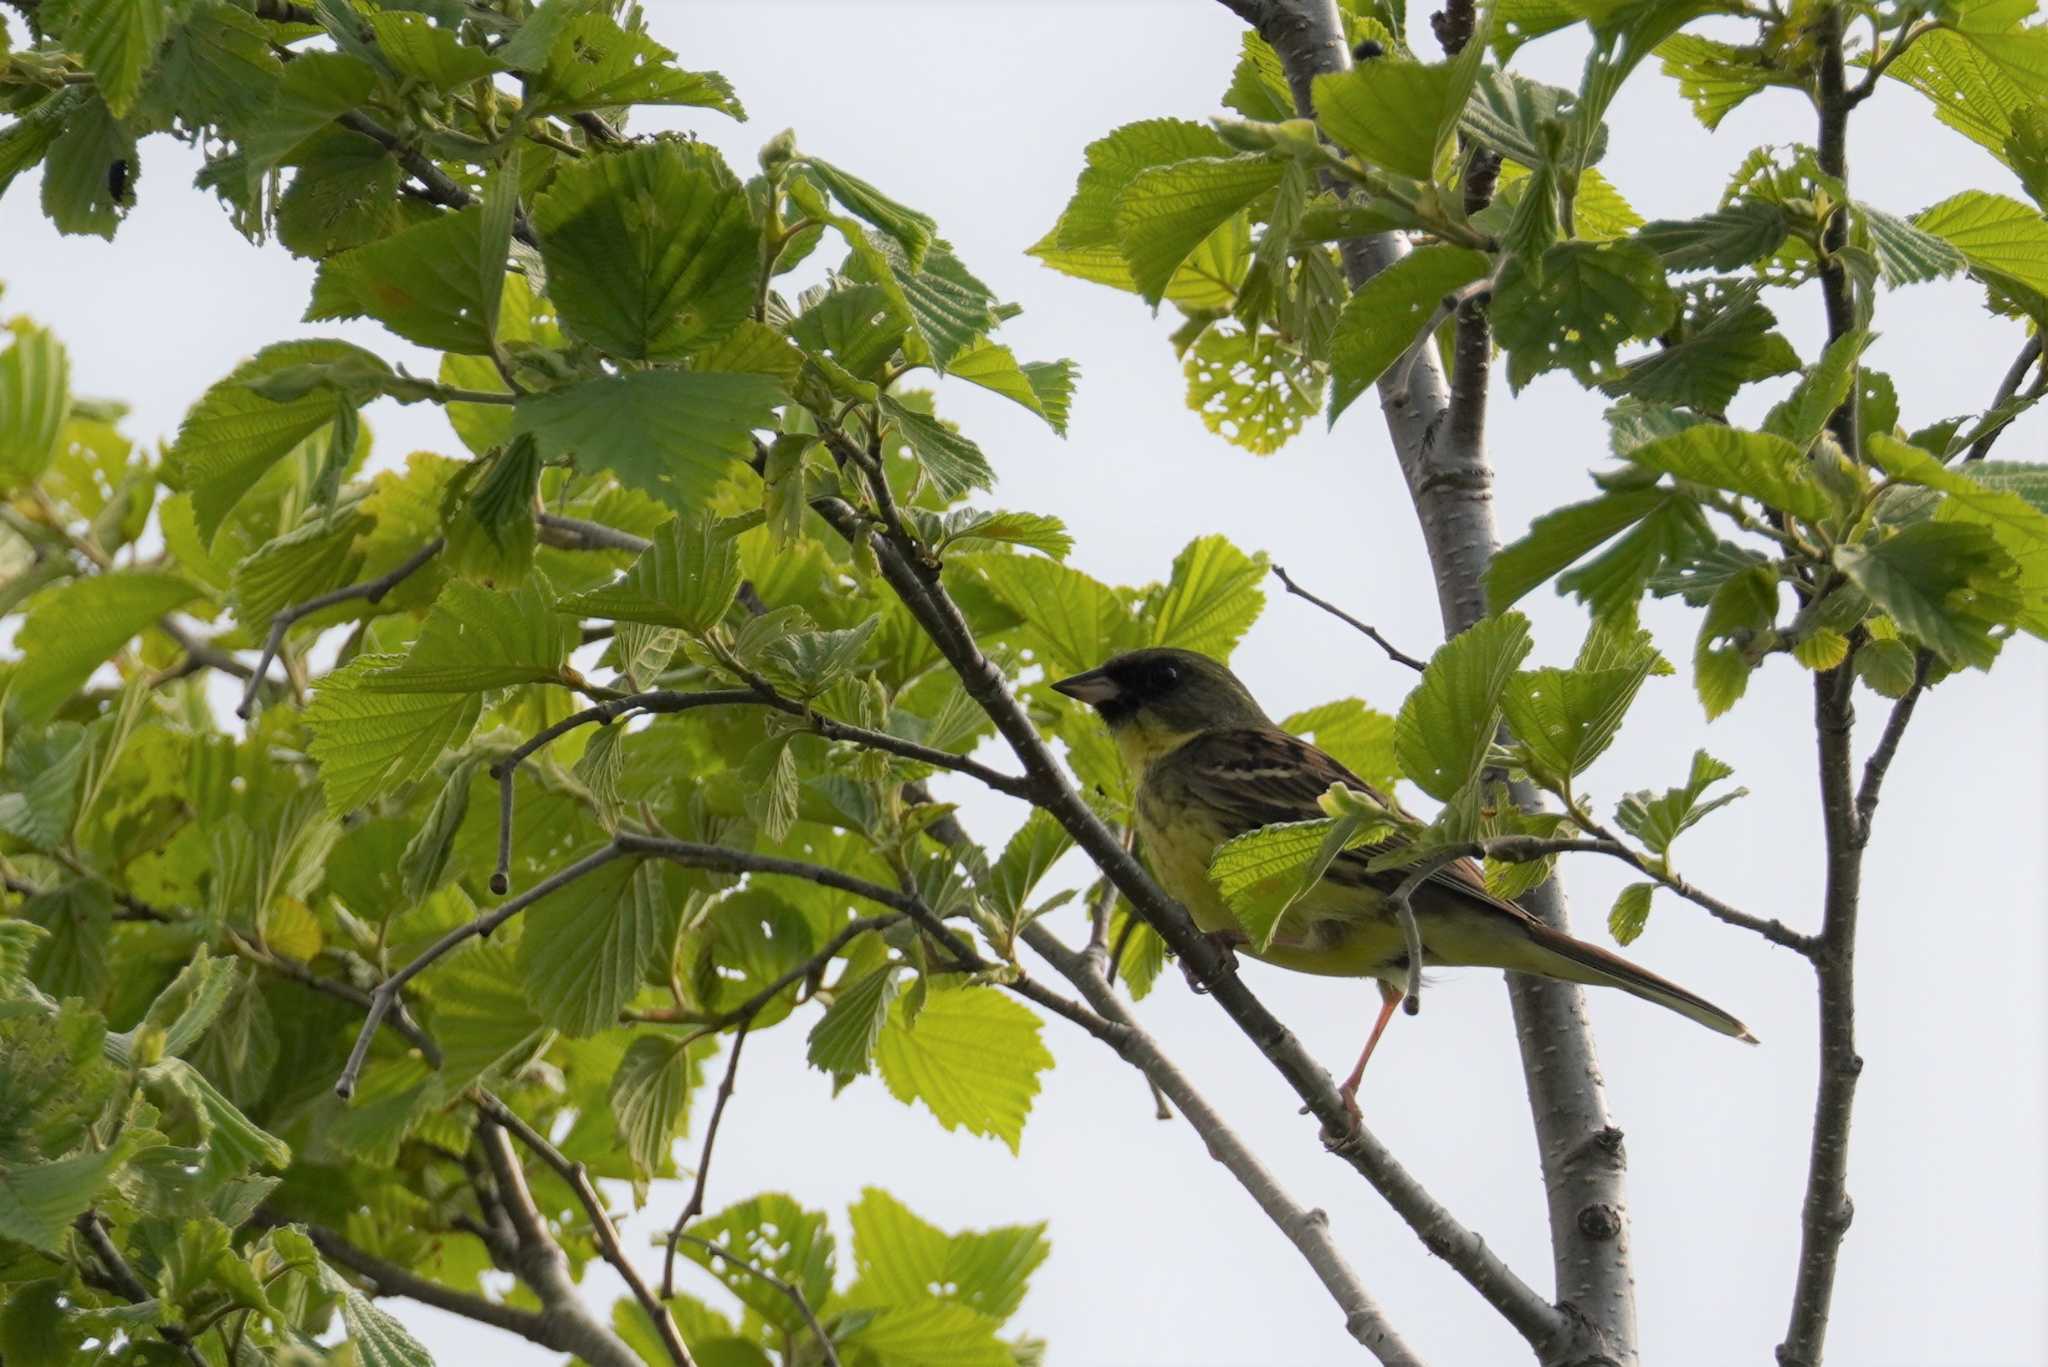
(2007, 387)
(1880, 762)
(389, 1279)
(370, 591)
(437, 186)
(1394, 653)
(124, 1283)
(1308, 1230)
(578, 1178)
(575, 534)
(795, 1295)
(694, 1207)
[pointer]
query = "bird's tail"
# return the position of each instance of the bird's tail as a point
(1574, 960)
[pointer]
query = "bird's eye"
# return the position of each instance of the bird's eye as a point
(1165, 677)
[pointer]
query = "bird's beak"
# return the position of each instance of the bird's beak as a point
(1094, 688)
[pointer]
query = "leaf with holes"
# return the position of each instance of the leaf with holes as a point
(973, 1057)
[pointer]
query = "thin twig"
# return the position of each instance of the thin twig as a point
(2007, 387)
(578, 1178)
(127, 1285)
(371, 591)
(389, 1279)
(398, 1018)
(796, 1296)
(575, 534)
(1394, 653)
(694, 1207)
(1880, 762)
(436, 185)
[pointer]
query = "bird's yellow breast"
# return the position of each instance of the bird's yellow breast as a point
(1178, 838)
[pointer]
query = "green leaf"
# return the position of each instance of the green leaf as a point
(672, 434)
(1756, 465)
(1714, 77)
(686, 579)
(954, 464)
(1977, 79)
(39, 800)
(1251, 388)
(302, 564)
(38, 1201)
(1612, 583)
(379, 1340)
(1211, 598)
(585, 947)
(903, 1260)
(234, 434)
(1906, 254)
(1947, 584)
(650, 1097)
(1631, 912)
(1035, 530)
(973, 1057)
(183, 1010)
(912, 231)
(2004, 241)
(1804, 413)
(1029, 856)
(591, 63)
(368, 743)
(234, 1143)
(1657, 821)
(1046, 388)
(118, 42)
(1746, 604)
(1726, 342)
(1113, 162)
(1448, 722)
(1730, 238)
(1078, 621)
(437, 283)
(1560, 538)
(1566, 718)
(74, 628)
(842, 1043)
(1387, 315)
(1889, 667)
(1509, 112)
(950, 307)
(651, 253)
(35, 400)
(423, 866)
(1386, 112)
(484, 1019)
(1263, 873)
(1355, 735)
(420, 51)
(773, 1232)
(809, 662)
(478, 638)
(1588, 299)
(1165, 212)
(316, 88)
(78, 194)
(935, 1334)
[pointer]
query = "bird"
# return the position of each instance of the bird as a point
(1208, 765)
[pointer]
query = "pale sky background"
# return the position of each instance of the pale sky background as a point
(978, 113)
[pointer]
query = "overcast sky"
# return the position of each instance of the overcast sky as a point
(977, 113)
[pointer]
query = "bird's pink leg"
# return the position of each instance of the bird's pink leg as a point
(1390, 997)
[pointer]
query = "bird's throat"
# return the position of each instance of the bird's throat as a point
(1143, 742)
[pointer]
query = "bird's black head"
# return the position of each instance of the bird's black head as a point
(1171, 691)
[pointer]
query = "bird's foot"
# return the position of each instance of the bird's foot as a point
(1334, 1140)
(1226, 942)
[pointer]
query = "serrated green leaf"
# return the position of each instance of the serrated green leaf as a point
(437, 283)
(484, 1018)
(1657, 821)
(1950, 585)
(1558, 539)
(973, 1058)
(1747, 603)
(1588, 299)
(1446, 725)
(1566, 718)
(902, 1260)
(1251, 388)
(38, 1201)
(1804, 413)
(1387, 314)
(650, 1097)
(368, 742)
(1727, 342)
(589, 62)
(1386, 111)
(1730, 238)
(912, 231)
(420, 51)
(1165, 212)
(1078, 621)
(478, 638)
(2004, 241)
(1263, 873)
(75, 627)
(1756, 465)
(651, 253)
(773, 1232)
(1355, 735)
(672, 434)
(686, 579)
(1211, 598)
(934, 1333)
(379, 1340)
(1035, 530)
(35, 399)
(118, 41)
(954, 464)
(1631, 912)
(1046, 387)
(842, 1043)
(39, 784)
(585, 947)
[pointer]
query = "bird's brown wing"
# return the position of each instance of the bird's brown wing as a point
(1255, 777)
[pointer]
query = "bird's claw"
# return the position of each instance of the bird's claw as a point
(1226, 942)
(1332, 1140)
